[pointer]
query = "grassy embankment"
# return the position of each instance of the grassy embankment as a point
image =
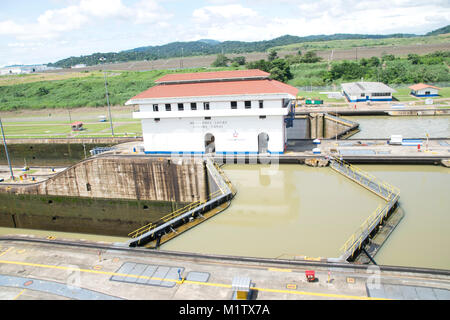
(43, 105)
(359, 43)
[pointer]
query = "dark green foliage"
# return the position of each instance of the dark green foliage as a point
(388, 57)
(239, 60)
(347, 70)
(443, 30)
(413, 69)
(279, 69)
(43, 91)
(272, 55)
(221, 61)
(310, 57)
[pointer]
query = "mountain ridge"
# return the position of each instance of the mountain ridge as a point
(210, 46)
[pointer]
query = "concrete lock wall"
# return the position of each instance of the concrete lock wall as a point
(54, 152)
(106, 195)
(324, 126)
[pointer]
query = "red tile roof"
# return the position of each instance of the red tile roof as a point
(420, 86)
(202, 89)
(222, 75)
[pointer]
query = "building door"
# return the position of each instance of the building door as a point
(263, 142)
(210, 146)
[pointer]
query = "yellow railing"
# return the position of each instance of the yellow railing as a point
(148, 227)
(225, 178)
(359, 174)
(356, 239)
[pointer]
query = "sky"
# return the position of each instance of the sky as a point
(42, 31)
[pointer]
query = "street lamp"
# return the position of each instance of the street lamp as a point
(109, 108)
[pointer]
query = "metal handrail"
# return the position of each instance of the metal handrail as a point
(152, 225)
(393, 193)
(173, 214)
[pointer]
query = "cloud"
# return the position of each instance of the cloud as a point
(52, 23)
(231, 12)
(258, 22)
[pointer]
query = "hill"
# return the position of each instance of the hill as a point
(439, 31)
(208, 47)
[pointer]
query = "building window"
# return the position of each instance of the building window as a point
(193, 106)
(157, 119)
(248, 104)
(233, 104)
(207, 118)
(205, 105)
(155, 107)
(168, 108)
(261, 104)
(180, 107)
(363, 95)
(262, 117)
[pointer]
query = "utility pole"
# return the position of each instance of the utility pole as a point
(6, 150)
(109, 108)
(181, 62)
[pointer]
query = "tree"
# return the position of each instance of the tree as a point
(310, 57)
(280, 70)
(221, 61)
(272, 55)
(259, 64)
(374, 62)
(414, 58)
(239, 60)
(388, 57)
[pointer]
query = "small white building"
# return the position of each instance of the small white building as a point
(424, 90)
(78, 66)
(240, 112)
(367, 91)
(23, 69)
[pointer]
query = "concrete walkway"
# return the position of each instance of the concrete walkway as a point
(53, 268)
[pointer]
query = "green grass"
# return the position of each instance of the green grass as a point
(132, 128)
(308, 74)
(81, 92)
(349, 44)
(317, 95)
(57, 129)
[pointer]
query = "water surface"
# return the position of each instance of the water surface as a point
(382, 127)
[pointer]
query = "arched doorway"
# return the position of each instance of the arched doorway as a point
(263, 142)
(210, 146)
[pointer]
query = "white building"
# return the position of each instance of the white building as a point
(241, 111)
(367, 91)
(23, 69)
(78, 66)
(424, 90)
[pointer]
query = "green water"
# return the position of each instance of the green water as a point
(297, 210)
(290, 210)
(311, 211)
(382, 127)
(422, 239)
